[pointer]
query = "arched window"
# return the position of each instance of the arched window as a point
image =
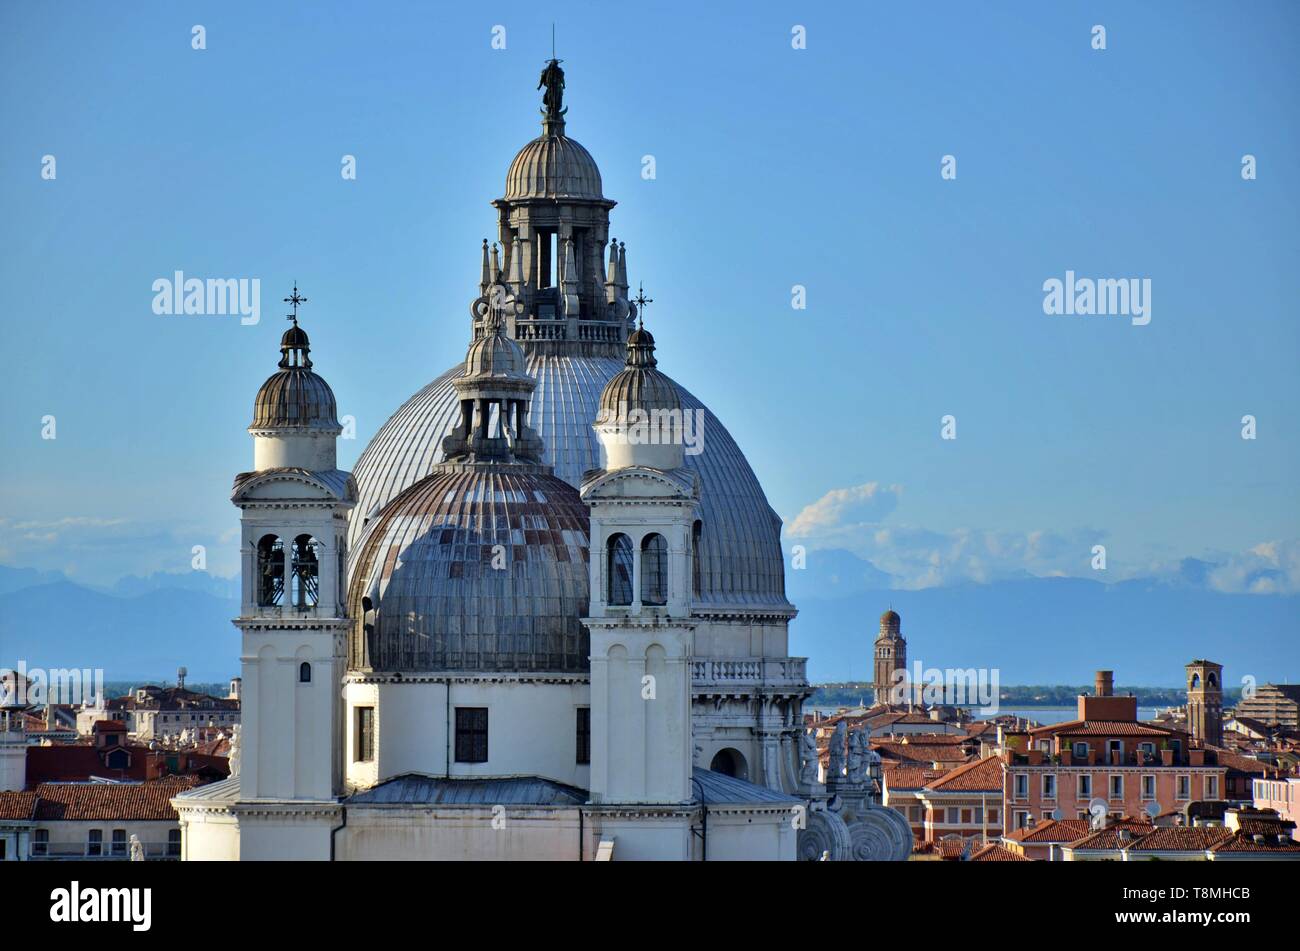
(618, 570)
(1211, 681)
(730, 762)
(1196, 681)
(306, 572)
(697, 532)
(304, 673)
(654, 570)
(270, 571)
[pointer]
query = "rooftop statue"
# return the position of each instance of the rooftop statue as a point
(553, 80)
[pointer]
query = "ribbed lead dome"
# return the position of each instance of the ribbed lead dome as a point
(740, 545)
(295, 397)
(438, 601)
(638, 385)
(553, 166)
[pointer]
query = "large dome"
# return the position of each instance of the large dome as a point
(438, 601)
(740, 545)
(553, 166)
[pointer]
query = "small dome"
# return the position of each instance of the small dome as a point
(890, 622)
(295, 398)
(497, 355)
(295, 338)
(441, 599)
(638, 385)
(553, 166)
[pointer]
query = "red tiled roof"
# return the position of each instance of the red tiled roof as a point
(909, 777)
(17, 805)
(1181, 839)
(1108, 838)
(1100, 728)
(950, 848)
(1247, 843)
(1053, 830)
(981, 776)
(110, 801)
(997, 853)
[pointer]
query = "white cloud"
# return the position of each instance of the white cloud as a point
(859, 519)
(844, 510)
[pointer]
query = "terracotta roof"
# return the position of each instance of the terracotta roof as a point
(1247, 843)
(1110, 839)
(1244, 764)
(919, 753)
(950, 848)
(909, 777)
(1100, 728)
(997, 853)
(1053, 830)
(17, 805)
(110, 801)
(981, 776)
(1181, 839)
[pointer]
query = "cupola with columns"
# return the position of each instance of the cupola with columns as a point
(553, 249)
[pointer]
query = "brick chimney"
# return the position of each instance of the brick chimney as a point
(1105, 684)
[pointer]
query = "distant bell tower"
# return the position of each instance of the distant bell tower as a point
(293, 523)
(1205, 701)
(890, 655)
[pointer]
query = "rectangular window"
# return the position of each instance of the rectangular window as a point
(979, 815)
(365, 728)
(1085, 786)
(119, 842)
(1022, 786)
(95, 842)
(966, 817)
(1184, 787)
(1081, 750)
(471, 734)
(1148, 787)
(174, 843)
(1049, 786)
(41, 842)
(584, 734)
(993, 815)
(1211, 787)
(1117, 787)
(1022, 819)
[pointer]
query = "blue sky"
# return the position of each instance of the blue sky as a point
(775, 167)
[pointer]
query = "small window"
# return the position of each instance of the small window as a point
(1081, 750)
(1022, 786)
(119, 842)
(304, 673)
(584, 735)
(174, 843)
(1117, 787)
(618, 570)
(993, 815)
(365, 734)
(1148, 787)
(471, 734)
(1022, 819)
(95, 842)
(1085, 786)
(1049, 786)
(40, 842)
(654, 570)
(1184, 787)
(1211, 787)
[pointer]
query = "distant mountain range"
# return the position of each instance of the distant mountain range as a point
(154, 626)
(1042, 630)
(1033, 630)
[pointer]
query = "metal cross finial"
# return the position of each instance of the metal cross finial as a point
(295, 299)
(641, 300)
